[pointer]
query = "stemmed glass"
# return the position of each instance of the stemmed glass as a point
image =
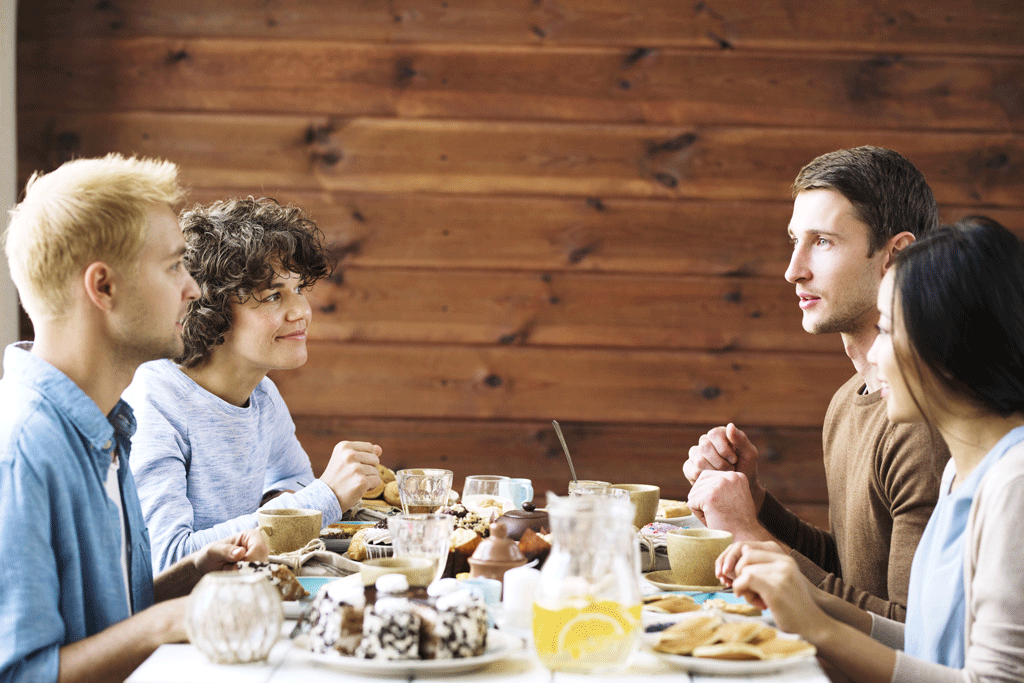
(488, 495)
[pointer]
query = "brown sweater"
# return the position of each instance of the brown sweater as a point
(883, 481)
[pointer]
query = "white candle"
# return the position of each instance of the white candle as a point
(518, 601)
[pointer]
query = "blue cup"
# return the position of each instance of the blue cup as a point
(522, 491)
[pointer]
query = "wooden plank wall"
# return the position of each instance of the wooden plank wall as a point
(569, 209)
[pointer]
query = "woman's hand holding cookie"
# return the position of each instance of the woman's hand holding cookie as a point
(352, 471)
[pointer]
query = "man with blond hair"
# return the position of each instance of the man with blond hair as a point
(95, 251)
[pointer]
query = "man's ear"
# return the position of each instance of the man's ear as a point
(99, 280)
(897, 242)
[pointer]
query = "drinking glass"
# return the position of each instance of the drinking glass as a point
(423, 491)
(422, 535)
(488, 495)
(587, 487)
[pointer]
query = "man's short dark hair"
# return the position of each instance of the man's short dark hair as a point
(234, 249)
(888, 193)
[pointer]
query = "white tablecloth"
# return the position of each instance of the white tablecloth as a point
(184, 663)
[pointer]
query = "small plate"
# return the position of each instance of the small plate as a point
(663, 580)
(688, 522)
(732, 667)
(499, 646)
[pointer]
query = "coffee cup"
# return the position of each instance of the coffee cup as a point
(645, 497)
(419, 571)
(288, 529)
(692, 554)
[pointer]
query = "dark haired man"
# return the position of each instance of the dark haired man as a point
(853, 210)
(214, 434)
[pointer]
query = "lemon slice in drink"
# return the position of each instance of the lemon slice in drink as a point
(589, 633)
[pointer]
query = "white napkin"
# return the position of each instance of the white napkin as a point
(315, 560)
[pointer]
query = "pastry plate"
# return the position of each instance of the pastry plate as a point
(499, 646)
(731, 667)
(663, 580)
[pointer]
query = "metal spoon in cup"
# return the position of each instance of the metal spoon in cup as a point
(558, 431)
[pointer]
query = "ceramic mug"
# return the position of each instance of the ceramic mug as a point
(645, 497)
(288, 529)
(692, 554)
(522, 492)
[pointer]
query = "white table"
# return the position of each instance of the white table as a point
(184, 663)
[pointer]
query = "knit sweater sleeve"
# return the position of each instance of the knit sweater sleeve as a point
(813, 549)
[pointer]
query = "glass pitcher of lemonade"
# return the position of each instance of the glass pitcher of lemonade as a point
(586, 611)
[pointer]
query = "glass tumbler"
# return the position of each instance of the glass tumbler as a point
(234, 618)
(416, 535)
(423, 491)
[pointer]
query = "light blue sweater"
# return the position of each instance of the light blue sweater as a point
(201, 464)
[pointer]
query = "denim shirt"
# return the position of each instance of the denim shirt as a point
(60, 535)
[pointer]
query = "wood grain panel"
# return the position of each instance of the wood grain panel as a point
(397, 380)
(905, 26)
(478, 157)
(547, 234)
(576, 309)
(790, 465)
(676, 87)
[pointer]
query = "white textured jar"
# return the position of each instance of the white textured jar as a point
(234, 618)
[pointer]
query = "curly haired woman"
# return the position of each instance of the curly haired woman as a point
(215, 440)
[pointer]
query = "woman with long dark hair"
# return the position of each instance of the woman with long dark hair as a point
(950, 352)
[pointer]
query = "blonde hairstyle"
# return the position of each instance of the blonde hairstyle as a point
(87, 210)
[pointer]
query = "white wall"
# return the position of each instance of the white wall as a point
(8, 163)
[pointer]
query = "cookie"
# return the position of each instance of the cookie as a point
(732, 651)
(387, 475)
(742, 632)
(391, 496)
(671, 604)
(780, 648)
(684, 636)
(668, 509)
(743, 609)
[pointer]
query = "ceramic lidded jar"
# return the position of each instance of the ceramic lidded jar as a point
(495, 555)
(518, 521)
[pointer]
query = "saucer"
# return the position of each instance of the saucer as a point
(663, 580)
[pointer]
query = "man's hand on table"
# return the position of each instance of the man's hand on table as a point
(725, 449)
(721, 500)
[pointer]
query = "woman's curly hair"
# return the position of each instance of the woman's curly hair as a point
(234, 248)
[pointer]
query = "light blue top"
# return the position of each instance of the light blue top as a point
(61, 578)
(935, 601)
(203, 464)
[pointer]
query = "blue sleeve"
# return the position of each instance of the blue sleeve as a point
(289, 466)
(31, 627)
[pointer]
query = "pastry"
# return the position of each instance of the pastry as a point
(391, 621)
(668, 509)
(683, 636)
(744, 609)
(671, 604)
(280, 576)
(391, 496)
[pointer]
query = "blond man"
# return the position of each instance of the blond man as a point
(96, 254)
